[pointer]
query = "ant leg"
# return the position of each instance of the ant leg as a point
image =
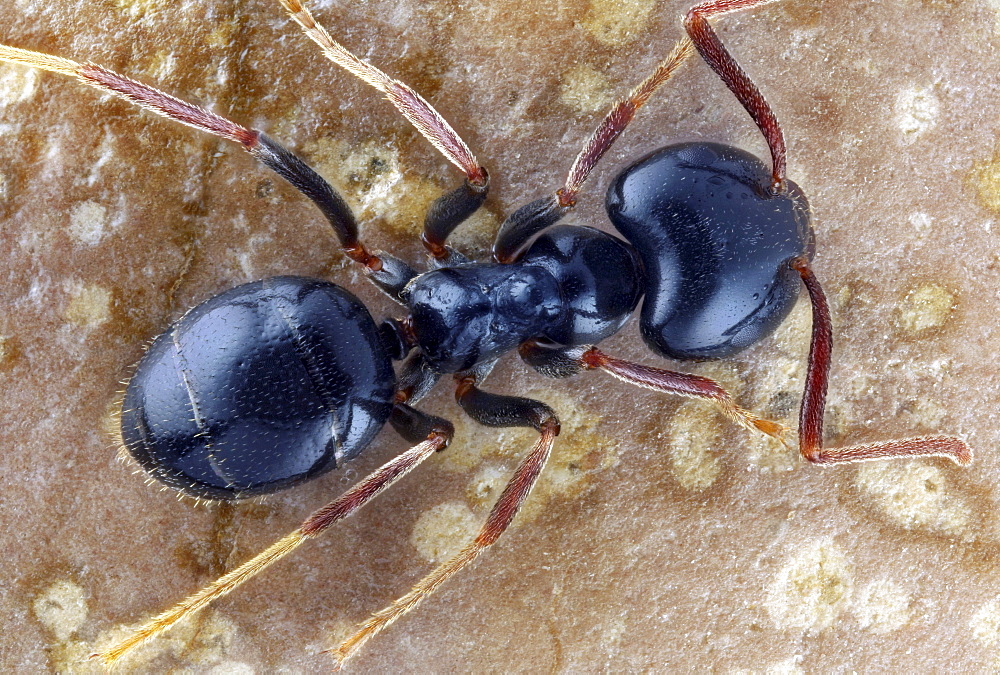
(447, 212)
(265, 149)
(725, 66)
(814, 401)
(433, 433)
(491, 410)
(530, 219)
(557, 361)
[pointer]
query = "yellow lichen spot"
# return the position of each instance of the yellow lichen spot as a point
(811, 589)
(88, 222)
(913, 495)
(985, 181)
(89, 306)
(767, 454)
(693, 437)
(585, 90)
(917, 111)
(17, 84)
(222, 34)
(62, 608)
(985, 623)
(927, 306)
(139, 8)
(162, 65)
(581, 451)
(792, 336)
(883, 606)
(442, 530)
(617, 22)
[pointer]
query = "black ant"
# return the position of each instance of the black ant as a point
(717, 244)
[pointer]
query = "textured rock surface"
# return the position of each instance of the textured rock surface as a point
(661, 537)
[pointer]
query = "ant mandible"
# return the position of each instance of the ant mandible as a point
(301, 377)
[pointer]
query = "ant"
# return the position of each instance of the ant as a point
(430, 338)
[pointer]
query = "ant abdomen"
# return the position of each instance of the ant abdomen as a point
(259, 388)
(715, 242)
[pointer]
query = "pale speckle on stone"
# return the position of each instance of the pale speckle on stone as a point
(17, 84)
(917, 111)
(790, 666)
(585, 90)
(927, 306)
(985, 623)
(693, 437)
(913, 495)
(921, 222)
(613, 631)
(138, 9)
(62, 608)
(883, 606)
(995, 6)
(89, 306)
(88, 222)
(812, 588)
(442, 530)
(617, 22)
(486, 485)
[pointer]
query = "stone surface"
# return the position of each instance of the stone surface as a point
(640, 551)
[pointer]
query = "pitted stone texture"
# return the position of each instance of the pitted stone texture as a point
(114, 223)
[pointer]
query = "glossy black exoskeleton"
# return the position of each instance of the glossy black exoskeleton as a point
(715, 242)
(275, 382)
(574, 286)
(264, 386)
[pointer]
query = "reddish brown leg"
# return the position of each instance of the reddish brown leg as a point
(347, 504)
(451, 209)
(722, 62)
(265, 149)
(532, 218)
(682, 384)
(491, 410)
(814, 401)
(555, 360)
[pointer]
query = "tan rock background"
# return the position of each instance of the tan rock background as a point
(661, 537)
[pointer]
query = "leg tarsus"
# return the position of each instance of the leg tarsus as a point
(340, 508)
(814, 400)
